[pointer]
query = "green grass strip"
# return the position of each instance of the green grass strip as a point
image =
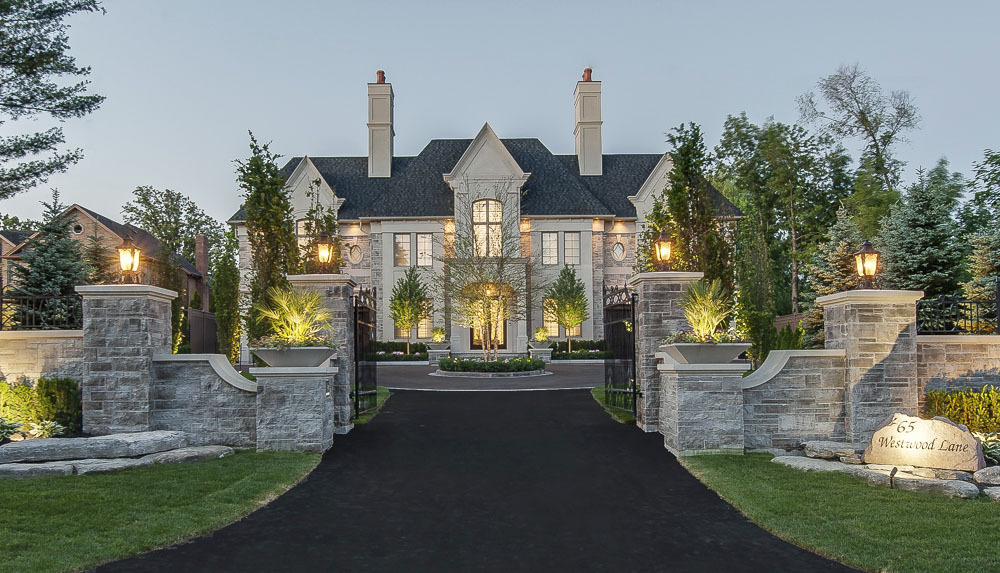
(382, 394)
(619, 415)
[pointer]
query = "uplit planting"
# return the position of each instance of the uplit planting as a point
(296, 318)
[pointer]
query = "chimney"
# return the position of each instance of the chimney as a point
(380, 130)
(587, 107)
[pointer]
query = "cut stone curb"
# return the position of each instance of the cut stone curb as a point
(826, 450)
(191, 454)
(112, 446)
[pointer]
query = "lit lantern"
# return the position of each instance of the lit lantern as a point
(128, 258)
(867, 261)
(324, 249)
(661, 250)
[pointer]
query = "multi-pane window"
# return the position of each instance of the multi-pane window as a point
(424, 328)
(425, 249)
(550, 248)
(399, 332)
(401, 249)
(487, 220)
(572, 248)
(575, 331)
(302, 231)
(550, 324)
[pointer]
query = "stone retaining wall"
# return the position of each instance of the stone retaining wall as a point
(34, 354)
(950, 362)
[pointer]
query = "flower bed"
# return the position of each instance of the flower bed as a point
(477, 365)
(593, 354)
(399, 356)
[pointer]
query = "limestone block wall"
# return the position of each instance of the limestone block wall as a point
(795, 396)
(701, 408)
(956, 361)
(204, 395)
(294, 408)
(34, 354)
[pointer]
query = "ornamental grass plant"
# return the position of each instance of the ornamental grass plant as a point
(296, 319)
(706, 307)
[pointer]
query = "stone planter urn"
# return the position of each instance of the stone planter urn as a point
(704, 352)
(540, 345)
(295, 356)
(438, 345)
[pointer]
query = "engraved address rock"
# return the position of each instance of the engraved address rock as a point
(937, 443)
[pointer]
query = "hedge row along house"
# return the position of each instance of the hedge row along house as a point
(582, 210)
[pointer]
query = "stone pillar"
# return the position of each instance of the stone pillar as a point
(123, 327)
(295, 408)
(701, 407)
(877, 331)
(337, 292)
(433, 356)
(657, 314)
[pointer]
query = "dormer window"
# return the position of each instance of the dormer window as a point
(487, 221)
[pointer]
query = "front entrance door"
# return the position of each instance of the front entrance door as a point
(500, 333)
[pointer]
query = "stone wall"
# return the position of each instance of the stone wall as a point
(950, 362)
(701, 407)
(294, 408)
(795, 395)
(203, 394)
(34, 354)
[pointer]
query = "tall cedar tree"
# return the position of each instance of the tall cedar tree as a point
(102, 262)
(919, 243)
(52, 263)
(832, 270)
(983, 266)
(320, 219)
(34, 48)
(270, 230)
(225, 298)
(566, 301)
(755, 293)
(410, 303)
(173, 218)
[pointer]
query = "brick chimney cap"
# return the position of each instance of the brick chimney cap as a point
(380, 77)
(586, 74)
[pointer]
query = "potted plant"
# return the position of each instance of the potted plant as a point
(300, 332)
(540, 339)
(438, 341)
(706, 308)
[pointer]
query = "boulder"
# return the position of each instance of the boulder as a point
(111, 446)
(192, 454)
(101, 466)
(854, 460)
(872, 477)
(810, 464)
(937, 443)
(143, 443)
(988, 476)
(888, 467)
(830, 450)
(992, 493)
(947, 488)
(36, 470)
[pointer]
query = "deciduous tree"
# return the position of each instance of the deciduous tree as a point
(410, 303)
(566, 301)
(173, 218)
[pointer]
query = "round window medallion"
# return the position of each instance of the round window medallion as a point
(354, 254)
(78, 229)
(618, 251)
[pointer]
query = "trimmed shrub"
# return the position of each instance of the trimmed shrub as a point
(393, 346)
(59, 401)
(399, 356)
(593, 354)
(977, 409)
(19, 403)
(477, 365)
(579, 345)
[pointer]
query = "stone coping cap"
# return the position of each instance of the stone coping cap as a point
(777, 360)
(126, 290)
(16, 334)
(871, 296)
(665, 276)
(294, 371)
(704, 369)
(958, 339)
(219, 364)
(322, 280)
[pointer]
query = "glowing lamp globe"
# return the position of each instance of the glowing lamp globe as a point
(866, 260)
(662, 247)
(128, 256)
(324, 249)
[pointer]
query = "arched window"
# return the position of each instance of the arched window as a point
(487, 221)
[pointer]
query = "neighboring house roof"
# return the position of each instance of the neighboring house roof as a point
(147, 243)
(16, 237)
(555, 188)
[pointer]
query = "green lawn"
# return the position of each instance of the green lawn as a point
(619, 415)
(873, 528)
(78, 522)
(381, 396)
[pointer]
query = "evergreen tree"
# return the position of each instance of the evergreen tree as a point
(52, 263)
(920, 246)
(102, 263)
(983, 266)
(981, 212)
(566, 301)
(755, 294)
(225, 298)
(410, 303)
(831, 270)
(270, 229)
(34, 61)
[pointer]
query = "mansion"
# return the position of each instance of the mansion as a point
(581, 210)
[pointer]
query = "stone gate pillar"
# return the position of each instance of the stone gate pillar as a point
(657, 314)
(877, 330)
(123, 327)
(336, 292)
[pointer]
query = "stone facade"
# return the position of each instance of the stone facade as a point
(877, 330)
(957, 361)
(658, 313)
(701, 407)
(795, 396)
(203, 395)
(295, 408)
(124, 326)
(34, 354)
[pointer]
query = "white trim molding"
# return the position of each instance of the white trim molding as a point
(871, 296)
(666, 277)
(29, 334)
(126, 290)
(778, 359)
(703, 369)
(219, 364)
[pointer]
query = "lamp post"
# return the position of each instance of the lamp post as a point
(324, 250)
(662, 248)
(866, 260)
(128, 258)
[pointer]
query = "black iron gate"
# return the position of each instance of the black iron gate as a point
(620, 389)
(365, 370)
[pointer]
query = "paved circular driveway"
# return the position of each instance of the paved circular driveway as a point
(491, 481)
(564, 376)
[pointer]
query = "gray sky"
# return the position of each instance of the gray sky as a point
(186, 79)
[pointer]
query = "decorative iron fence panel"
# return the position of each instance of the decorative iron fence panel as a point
(959, 316)
(365, 348)
(41, 312)
(620, 390)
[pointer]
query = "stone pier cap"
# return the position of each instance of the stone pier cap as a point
(127, 290)
(871, 296)
(665, 276)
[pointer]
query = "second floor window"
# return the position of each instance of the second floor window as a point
(550, 248)
(572, 247)
(487, 221)
(401, 249)
(425, 250)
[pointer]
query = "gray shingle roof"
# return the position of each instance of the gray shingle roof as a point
(417, 188)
